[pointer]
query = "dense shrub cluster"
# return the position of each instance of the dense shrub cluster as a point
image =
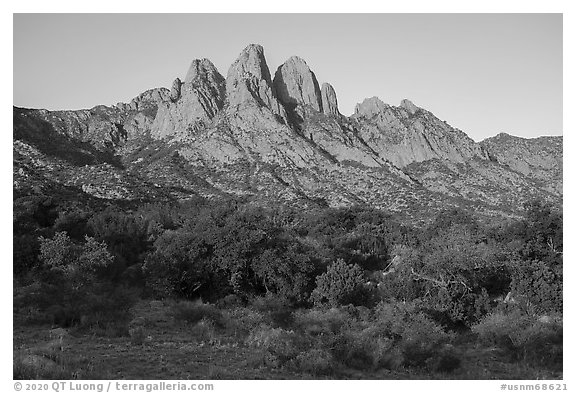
(70, 286)
(524, 337)
(359, 289)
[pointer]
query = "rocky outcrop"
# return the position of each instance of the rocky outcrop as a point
(176, 90)
(539, 158)
(296, 85)
(329, 100)
(370, 108)
(249, 85)
(149, 99)
(409, 106)
(408, 134)
(200, 98)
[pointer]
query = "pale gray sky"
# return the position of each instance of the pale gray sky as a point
(482, 73)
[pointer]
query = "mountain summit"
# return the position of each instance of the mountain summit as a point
(277, 140)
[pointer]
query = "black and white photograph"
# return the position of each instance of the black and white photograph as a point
(287, 196)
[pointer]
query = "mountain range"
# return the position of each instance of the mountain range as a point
(277, 139)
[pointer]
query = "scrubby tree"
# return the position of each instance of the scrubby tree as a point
(126, 236)
(70, 282)
(537, 286)
(76, 264)
(341, 284)
(179, 265)
(286, 271)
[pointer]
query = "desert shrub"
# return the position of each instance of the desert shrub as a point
(538, 284)
(347, 333)
(282, 345)
(316, 321)
(397, 283)
(446, 220)
(315, 361)
(137, 335)
(417, 336)
(53, 362)
(267, 337)
(160, 217)
(194, 312)
(342, 284)
(106, 310)
(229, 302)
(242, 321)
(205, 330)
(277, 310)
(406, 320)
(446, 360)
(72, 222)
(499, 328)
(541, 344)
(360, 348)
(523, 336)
(395, 335)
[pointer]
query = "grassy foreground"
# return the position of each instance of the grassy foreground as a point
(191, 340)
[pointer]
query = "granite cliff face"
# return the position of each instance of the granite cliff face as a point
(329, 100)
(296, 85)
(192, 104)
(280, 140)
(249, 85)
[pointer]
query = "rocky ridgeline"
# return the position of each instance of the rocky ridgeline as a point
(377, 133)
(407, 134)
(538, 158)
(275, 138)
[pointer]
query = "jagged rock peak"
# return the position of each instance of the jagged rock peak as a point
(329, 100)
(248, 82)
(176, 89)
(409, 106)
(296, 84)
(203, 69)
(193, 103)
(251, 62)
(370, 107)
